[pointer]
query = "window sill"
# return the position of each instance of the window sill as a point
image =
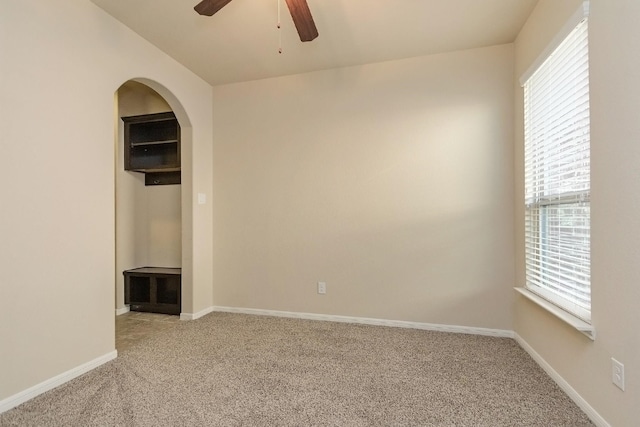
(566, 317)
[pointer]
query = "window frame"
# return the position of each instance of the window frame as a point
(543, 202)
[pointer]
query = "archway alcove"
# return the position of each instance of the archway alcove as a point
(167, 237)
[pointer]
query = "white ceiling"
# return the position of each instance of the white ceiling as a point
(240, 42)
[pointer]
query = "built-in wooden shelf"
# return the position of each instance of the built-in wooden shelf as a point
(153, 289)
(152, 145)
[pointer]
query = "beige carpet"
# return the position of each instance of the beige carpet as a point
(135, 326)
(240, 370)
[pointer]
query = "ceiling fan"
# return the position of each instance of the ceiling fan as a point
(298, 8)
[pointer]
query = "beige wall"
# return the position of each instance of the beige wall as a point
(148, 218)
(391, 182)
(162, 219)
(615, 131)
(62, 63)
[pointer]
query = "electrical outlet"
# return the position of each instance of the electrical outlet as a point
(617, 373)
(322, 288)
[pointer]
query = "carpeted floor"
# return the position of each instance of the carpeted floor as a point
(135, 326)
(241, 370)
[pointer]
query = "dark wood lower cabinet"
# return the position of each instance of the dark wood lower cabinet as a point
(153, 289)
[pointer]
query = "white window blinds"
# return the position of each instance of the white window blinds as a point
(557, 176)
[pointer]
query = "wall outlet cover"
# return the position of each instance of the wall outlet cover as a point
(617, 373)
(322, 288)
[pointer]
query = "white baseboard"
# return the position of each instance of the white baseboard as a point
(19, 398)
(194, 316)
(563, 384)
(122, 310)
(370, 321)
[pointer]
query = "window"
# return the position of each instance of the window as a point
(557, 176)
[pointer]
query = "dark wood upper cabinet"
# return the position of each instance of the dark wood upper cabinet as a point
(152, 143)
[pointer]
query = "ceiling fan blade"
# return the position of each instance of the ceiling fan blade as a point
(209, 7)
(302, 19)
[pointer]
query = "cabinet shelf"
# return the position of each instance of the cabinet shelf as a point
(168, 141)
(152, 145)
